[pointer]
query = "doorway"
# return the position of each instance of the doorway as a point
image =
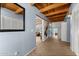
(41, 29)
(38, 22)
(55, 33)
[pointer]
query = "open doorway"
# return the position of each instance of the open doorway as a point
(41, 29)
(56, 30)
(55, 33)
(38, 21)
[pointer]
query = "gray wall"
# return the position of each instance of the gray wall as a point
(68, 30)
(73, 28)
(67, 20)
(74, 31)
(21, 42)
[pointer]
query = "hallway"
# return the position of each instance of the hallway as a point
(20, 23)
(52, 47)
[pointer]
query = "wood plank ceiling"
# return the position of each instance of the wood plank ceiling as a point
(13, 7)
(54, 11)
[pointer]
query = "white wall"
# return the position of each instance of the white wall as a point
(41, 26)
(21, 42)
(64, 31)
(38, 22)
(75, 28)
(57, 25)
(44, 24)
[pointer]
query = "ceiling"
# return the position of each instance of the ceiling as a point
(13, 7)
(55, 12)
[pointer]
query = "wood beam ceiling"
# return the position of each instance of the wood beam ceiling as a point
(54, 11)
(53, 6)
(42, 5)
(57, 12)
(38, 6)
(57, 19)
(60, 15)
(19, 10)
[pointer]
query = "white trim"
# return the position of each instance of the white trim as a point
(30, 51)
(71, 48)
(77, 53)
(43, 40)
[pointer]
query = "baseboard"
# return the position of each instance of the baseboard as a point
(77, 53)
(43, 40)
(30, 51)
(65, 41)
(71, 48)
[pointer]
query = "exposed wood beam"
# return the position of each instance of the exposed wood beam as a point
(57, 12)
(57, 16)
(11, 6)
(53, 6)
(19, 10)
(38, 6)
(56, 20)
(2, 4)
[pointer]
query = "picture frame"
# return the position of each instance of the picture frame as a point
(11, 25)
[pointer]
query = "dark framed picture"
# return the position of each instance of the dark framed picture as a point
(12, 17)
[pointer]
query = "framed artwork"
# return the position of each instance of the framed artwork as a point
(12, 17)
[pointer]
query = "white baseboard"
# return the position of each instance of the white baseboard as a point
(30, 51)
(43, 40)
(77, 53)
